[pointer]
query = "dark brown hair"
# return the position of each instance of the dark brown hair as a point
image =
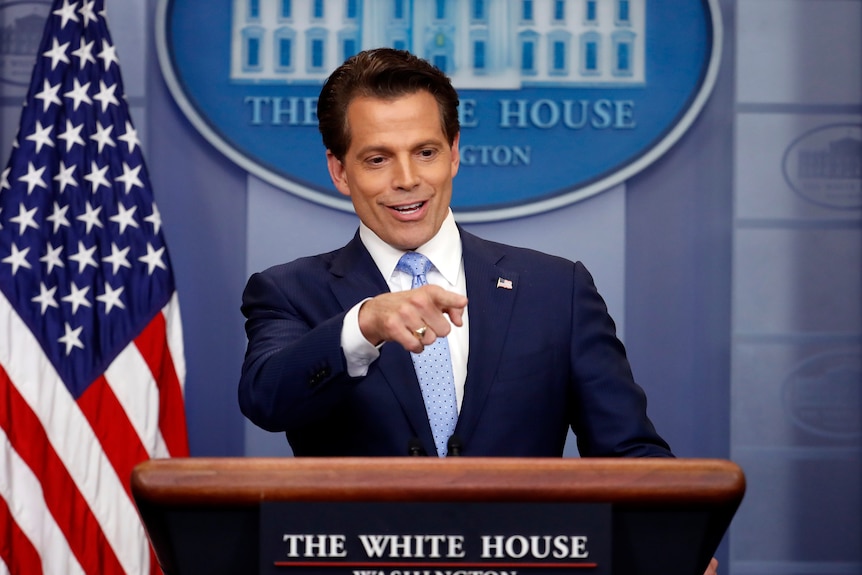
(383, 73)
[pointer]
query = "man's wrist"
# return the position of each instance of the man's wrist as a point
(359, 353)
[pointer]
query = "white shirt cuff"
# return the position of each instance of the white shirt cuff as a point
(358, 351)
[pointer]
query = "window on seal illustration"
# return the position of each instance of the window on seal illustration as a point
(398, 10)
(591, 16)
(253, 10)
(526, 10)
(590, 46)
(623, 15)
(317, 12)
(252, 39)
(351, 9)
(479, 63)
(479, 12)
(286, 9)
(623, 53)
(316, 42)
(558, 56)
(528, 44)
(285, 39)
(439, 10)
(348, 45)
(559, 11)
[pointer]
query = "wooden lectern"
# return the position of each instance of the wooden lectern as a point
(668, 515)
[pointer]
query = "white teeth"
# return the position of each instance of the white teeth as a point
(409, 208)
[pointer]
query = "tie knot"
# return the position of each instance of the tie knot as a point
(414, 263)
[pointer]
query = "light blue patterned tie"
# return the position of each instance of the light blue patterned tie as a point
(433, 366)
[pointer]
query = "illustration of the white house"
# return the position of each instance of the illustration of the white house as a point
(492, 44)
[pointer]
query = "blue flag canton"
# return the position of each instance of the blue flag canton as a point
(82, 255)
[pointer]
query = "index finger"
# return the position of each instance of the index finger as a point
(450, 303)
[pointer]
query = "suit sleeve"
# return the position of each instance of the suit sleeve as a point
(294, 369)
(610, 417)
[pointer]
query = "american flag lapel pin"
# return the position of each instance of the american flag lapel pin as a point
(504, 283)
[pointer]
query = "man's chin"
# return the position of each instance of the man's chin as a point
(409, 242)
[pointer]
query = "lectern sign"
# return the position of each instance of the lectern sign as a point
(434, 538)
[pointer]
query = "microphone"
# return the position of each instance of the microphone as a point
(414, 447)
(454, 445)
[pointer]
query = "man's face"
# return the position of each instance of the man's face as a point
(398, 169)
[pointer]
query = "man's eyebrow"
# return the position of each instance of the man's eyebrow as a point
(430, 142)
(372, 149)
(383, 149)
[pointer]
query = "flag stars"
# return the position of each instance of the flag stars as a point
(103, 136)
(52, 258)
(91, 217)
(118, 258)
(66, 12)
(130, 177)
(48, 95)
(46, 297)
(72, 135)
(106, 95)
(72, 338)
(96, 177)
(64, 176)
(25, 219)
(155, 218)
(125, 217)
(111, 298)
(41, 136)
(33, 178)
(88, 12)
(73, 201)
(77, 297)
(84, 257)
(18, 259)
(153, 259)
(130, 137)
(79, 94)
(58, 217)
(84, 53)
(108, 55)
(57, 53)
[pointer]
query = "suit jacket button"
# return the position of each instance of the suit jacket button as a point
(318, 376)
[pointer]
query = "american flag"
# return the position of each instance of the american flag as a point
(91, 357)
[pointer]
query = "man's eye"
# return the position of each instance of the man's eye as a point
(376, 160)
(427, 153)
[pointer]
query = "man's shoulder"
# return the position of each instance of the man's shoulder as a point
(322, 262)
(303, 264)
(508, 255)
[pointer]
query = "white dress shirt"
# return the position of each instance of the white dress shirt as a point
(447, 271)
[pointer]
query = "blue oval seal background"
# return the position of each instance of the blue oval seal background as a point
(515, 167)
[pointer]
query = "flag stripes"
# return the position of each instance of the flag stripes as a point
(27, 418)
(63, 501)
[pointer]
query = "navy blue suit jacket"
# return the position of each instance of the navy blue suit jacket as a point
(543, 356)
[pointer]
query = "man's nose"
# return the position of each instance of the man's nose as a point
(406, 174)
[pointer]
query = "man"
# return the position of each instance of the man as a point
(336, 341)
(333, 338)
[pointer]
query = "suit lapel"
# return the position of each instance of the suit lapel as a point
(356, 277)
(491, 290)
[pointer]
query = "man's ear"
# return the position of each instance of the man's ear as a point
(337, 173)
(456, 154)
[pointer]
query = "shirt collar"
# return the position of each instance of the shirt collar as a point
(444, 250)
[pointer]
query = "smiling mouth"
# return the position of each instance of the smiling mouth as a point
(409, 208)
